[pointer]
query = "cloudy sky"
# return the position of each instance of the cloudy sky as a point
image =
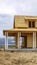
(9, 8)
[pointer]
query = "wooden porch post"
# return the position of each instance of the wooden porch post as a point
(34, 40)
(6, 40)
(18, 40)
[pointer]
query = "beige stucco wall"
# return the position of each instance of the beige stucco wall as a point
(29, 40)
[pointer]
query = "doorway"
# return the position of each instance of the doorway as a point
(24, 42)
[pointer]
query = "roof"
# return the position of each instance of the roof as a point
(19, 30)
(26, 17)
(30, 17)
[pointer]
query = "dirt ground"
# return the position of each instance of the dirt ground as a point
(18, 58)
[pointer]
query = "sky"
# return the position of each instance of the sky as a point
(9, 8)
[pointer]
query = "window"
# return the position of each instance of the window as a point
(31, 24)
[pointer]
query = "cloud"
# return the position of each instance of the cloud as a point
(28, 7)
(6, 22)
(15, 7)
(8, 8)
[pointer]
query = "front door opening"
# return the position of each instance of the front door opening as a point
(25, 38)
(24, 42)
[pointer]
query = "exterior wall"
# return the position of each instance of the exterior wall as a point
(36, 24)
(29, 40)
(36, 39)
(20, 22)
(26, 23)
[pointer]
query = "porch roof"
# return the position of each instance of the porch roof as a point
(14, 31)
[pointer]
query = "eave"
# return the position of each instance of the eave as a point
(15, 31)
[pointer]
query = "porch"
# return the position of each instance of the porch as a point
(24, 35)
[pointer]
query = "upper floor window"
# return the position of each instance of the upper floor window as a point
(31, 24)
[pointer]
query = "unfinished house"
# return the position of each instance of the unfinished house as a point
(26, 28)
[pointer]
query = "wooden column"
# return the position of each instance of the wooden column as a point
(34, 40)
(18, 40)
(23, 42)
(6, 40)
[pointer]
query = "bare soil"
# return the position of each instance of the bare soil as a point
(18, 58)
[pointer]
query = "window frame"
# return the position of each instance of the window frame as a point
(31, 24)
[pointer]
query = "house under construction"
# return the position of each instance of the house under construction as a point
(26, 28)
